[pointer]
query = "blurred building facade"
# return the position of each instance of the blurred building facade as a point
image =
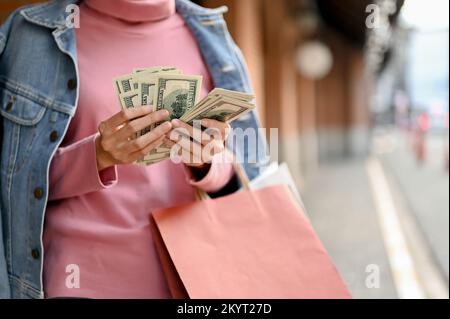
(322, 118)
(7, 6)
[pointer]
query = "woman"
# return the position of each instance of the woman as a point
(68, 186)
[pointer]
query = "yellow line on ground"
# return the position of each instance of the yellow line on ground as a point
(400, 259)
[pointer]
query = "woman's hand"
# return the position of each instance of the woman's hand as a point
(195, 147)
(117, 143)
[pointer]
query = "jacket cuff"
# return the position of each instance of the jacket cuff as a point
(219, 175)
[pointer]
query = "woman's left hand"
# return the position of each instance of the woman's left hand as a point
(195, 147)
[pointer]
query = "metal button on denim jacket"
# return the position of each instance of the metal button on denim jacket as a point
(38, 97)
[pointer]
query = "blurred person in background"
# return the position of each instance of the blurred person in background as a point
(422, 127)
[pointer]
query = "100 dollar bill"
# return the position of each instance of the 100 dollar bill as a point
(177, 94)
(222, 109)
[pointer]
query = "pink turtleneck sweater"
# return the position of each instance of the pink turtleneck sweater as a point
(98, 223)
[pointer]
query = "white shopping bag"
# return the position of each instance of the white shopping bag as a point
(277, 175)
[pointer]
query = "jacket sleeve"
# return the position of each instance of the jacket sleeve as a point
(254, 157)
(5, 289)
(3, 28)
(4, 282)
(74, 172)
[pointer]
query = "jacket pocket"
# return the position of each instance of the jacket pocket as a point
(19, 109)
(22, 119)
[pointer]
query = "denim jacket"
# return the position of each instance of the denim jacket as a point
(38, 98)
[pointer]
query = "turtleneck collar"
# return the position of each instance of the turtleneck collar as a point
(134, 10)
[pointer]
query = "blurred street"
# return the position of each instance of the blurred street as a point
(361, 101)
(426, 188)
(341, 192)
(342, 210)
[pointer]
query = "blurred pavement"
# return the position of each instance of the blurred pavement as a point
(339, 203)
(426, 188)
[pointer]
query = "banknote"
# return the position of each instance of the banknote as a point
(168, 88)
(124, 84)
(129, 99)
(222, 109)
(146, 82)
(178, 94)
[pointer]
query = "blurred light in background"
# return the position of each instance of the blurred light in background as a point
(426, 15)
(314, 60)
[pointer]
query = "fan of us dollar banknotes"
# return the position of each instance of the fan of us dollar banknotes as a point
(168, 88)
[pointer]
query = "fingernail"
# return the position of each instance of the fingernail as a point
(167, 126)
(176, 123)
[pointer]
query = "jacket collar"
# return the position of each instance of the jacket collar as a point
(53, 14)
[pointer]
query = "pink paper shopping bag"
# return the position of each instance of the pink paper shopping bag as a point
(252, 244)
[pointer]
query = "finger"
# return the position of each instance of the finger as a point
(122, 117)
(181, 155)
(197, 134)
(168, 143)
(222, 127)
(143, 141)
(185, 142)
(189, 157)
(146, 150)
(137, 125)
(206, 151)
(212, 149)
(199, 154)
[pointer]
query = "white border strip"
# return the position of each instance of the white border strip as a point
(402, 265)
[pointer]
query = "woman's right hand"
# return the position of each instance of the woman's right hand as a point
(117, 143)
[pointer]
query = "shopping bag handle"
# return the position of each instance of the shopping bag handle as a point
(200, 194)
